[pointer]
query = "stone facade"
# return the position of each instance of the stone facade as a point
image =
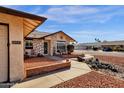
(38, 46)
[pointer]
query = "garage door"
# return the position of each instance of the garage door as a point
(3, 53)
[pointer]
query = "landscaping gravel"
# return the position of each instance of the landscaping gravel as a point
(106, 67)
(92, 80)
(119, 74)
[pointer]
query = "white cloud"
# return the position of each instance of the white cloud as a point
(72, 10)
(90, 35)
(37, 10)
(78, 14)
(96, 32)
(85, 14)
(67, 14)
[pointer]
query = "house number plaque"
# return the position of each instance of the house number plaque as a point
(16, 42)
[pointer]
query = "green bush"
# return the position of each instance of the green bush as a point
(70, 48)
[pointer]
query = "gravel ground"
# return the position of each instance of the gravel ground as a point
(112, 69)
(92, 80)
(118, 62)
(118, 75)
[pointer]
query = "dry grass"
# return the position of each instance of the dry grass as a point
(112, 59)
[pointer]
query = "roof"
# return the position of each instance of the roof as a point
(37, 34)
(89, 44)
(121, 42)
(30, 21)
(21, 14)
(42, 35)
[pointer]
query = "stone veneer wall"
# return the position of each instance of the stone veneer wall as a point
(38, 46)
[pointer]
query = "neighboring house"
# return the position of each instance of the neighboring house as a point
(106, 44)
(47, 43)
(14, 27)
(86, 46)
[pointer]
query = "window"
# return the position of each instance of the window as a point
(28, 44)
(61, 46)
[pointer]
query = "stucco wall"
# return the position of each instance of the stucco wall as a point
(16, 50)
(57, 37)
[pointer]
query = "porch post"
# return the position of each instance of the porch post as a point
(51, 47)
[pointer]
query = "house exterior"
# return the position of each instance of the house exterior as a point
(101, 45)
(87, 46)
(14, 27)
(47, 43)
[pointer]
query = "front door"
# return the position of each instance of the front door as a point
(3, 53)
(45, 47)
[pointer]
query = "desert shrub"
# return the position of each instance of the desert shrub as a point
(26, 55)
(27, 43)
(95, 48)
(83, 55)
(118, 48)
(40, 55)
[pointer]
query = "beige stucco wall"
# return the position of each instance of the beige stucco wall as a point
(16, 50)
(57, 37)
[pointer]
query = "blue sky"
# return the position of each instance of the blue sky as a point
(83, 23)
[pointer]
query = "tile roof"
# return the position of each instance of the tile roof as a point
(38, 34)
(41, 35)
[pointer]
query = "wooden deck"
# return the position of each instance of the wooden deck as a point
(40, 65)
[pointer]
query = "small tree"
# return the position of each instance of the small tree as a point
(70, 49)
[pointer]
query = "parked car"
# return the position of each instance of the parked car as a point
(95, 48)
(107, 49)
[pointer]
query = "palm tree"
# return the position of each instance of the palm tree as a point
(97, 40)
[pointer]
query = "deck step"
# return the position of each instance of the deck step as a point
(48, 68)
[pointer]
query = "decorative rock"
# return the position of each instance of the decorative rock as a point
(98, 65)
(79, 58)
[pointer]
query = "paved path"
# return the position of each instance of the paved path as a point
(49, 80)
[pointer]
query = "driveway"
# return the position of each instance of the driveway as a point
(52, 79)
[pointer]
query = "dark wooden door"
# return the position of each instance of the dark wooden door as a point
(45, 47)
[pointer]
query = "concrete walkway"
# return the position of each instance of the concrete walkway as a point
(49, 80)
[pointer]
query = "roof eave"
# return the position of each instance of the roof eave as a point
(21, 14)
